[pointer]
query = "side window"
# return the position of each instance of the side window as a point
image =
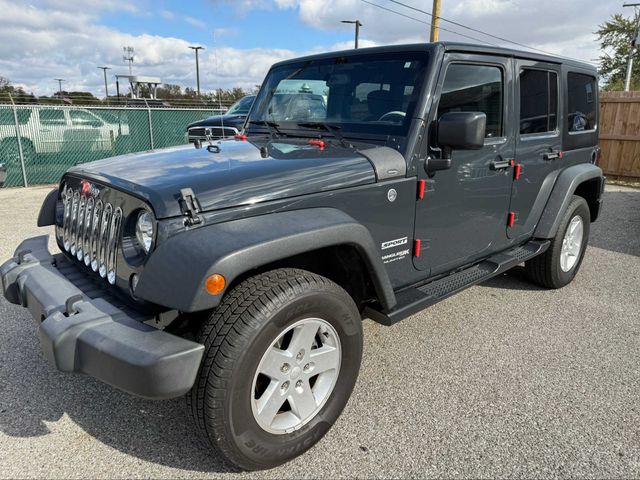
(581, 93)
(538, 101)
(52, 117)
(84, 118)
(7, 118)
(474, 88)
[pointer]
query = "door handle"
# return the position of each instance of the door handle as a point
(500, 164)
(553, 154)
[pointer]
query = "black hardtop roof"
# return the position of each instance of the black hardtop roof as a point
(449, 47)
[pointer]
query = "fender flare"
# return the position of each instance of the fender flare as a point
(563, 190)
(175, 273)
(47, 215)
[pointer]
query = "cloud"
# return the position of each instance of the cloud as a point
(45, 42)
(65, 38)
(561, 27)
(194, 22)
(167, 14)
(225, 32)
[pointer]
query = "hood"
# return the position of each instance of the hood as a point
(219, 120)
(239, 174)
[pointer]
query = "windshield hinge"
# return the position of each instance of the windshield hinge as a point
(190, 207)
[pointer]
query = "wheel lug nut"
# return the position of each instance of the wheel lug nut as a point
(285, 385)
(299, 384)
(307, 367)
(300, 355)
(284, 368)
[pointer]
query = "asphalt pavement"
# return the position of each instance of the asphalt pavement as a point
(503, 380)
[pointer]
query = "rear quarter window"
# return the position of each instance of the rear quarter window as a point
(582, 102)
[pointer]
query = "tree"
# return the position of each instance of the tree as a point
(5, 84)
(615, 37)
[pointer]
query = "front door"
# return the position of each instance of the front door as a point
(463, 213)
(538, 144)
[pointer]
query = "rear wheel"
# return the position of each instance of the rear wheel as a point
(282, 355)
(560, 263)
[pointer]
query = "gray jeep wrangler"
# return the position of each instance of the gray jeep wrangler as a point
(365, 184)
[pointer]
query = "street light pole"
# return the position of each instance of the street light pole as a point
(197, 66)
(634, 42)
(106, 88)
(358, 25)
(60, 80)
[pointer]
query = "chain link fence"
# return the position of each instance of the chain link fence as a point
(39, 143)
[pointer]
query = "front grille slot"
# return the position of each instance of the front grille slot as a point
(216, 132)
(91, 232)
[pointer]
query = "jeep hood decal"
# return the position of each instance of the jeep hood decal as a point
(241, 173)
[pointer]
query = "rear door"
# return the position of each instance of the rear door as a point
(54, 123)
(538, 141)
(463, 214)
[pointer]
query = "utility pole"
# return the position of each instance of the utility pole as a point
(60, 80)
(106, 89)
(435, 21)
(634, 43)
(358, 25)
(197, 66)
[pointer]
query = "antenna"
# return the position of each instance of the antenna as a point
(215, 53)
(128, 57)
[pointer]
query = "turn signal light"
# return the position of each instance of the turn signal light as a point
(215, 284)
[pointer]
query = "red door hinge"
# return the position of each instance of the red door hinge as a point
(517, 170)
(421, 187)
(416, 247)
(511, 219)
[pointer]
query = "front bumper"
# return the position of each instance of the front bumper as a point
(92, 336)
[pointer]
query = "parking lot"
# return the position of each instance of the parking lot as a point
(503, 380)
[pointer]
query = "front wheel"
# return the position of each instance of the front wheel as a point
(282, 355)
(557, 267)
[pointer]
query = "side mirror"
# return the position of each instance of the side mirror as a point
(457, 131)
(461, 131)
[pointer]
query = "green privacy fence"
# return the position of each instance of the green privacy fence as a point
(39, 143)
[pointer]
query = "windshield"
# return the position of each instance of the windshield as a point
(374, 93)
(242, 106)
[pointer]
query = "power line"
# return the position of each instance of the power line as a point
(428, 23)
(461, 25)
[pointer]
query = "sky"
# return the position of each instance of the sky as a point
(45, 39)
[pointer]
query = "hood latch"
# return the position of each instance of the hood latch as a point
(190, 207)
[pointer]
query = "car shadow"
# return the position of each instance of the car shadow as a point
(514, 279)
(33, 394)
(617, 230)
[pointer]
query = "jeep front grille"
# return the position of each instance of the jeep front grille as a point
(91, 232)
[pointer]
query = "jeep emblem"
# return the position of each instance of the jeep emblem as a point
(392, 195)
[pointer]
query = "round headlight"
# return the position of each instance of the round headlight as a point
(144, 230)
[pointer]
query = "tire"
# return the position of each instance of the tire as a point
(239, 336)
(548, 269)
(12, 151)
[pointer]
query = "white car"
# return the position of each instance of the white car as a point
(56, 129)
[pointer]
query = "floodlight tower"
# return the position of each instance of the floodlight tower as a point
(128, 57)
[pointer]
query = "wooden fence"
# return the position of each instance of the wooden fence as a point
(620, 134)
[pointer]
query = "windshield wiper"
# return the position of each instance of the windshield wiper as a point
(272, 126)
(333, 129)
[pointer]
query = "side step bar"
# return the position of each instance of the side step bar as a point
(416, 298)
